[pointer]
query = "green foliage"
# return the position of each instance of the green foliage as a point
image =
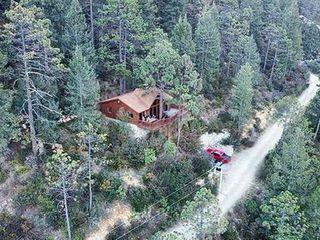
(9, 127)
(16, 227)
(169, 149)
(241, 96)
(139, 198)
(201, 163)
(149, 156)
(292, 168)
(182, 37)
(207, 39)
(133, 152)
(282, 217)
(82, 91)
(204, 206)
(76, 34)
(313, 113)
(313, 213)
(3, 175)
(107, 186)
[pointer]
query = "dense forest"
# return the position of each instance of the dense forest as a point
(67, 172)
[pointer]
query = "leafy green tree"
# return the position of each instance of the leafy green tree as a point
(82, 91)
(158, 68)
(283, 218)
(170, 148)
(62, 178)
(149, 12)
(123, 34)
(203, 214)
(76, 32)
(241, 96)
(207, 39)
(9, 127)
(38, 66)
(182, 37)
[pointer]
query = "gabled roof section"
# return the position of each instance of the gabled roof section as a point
(140, 99)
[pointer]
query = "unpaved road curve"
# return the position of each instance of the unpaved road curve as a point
(243, 171)
(241, 174)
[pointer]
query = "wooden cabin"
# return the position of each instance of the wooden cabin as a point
(142, 106)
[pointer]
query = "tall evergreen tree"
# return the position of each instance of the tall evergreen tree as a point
(123, 36)
(76, 32)
(37, 65)
(159, 67)
(283, 218)
(207, 39)
(182, 37)
(82, 91)
(169, 12)
(9, 127)
(241, 96)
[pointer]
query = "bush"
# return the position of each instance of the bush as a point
(156, 140)
(107, 186)
(201, 163)
(190, 135)
(3, 175)
(15, 227)
(139, 198)
(133, 152)
(215, 125)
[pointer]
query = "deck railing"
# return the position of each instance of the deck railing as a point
(160, 123)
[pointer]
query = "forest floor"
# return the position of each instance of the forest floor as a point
(118, 213)
(240, 176)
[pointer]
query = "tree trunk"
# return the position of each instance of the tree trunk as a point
(273, 64)
(34, 141)
(266, 57)
(317, 130)
(161, 102)
(91, 23)
(89, 172)
(65, 202)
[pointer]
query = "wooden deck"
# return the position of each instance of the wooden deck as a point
(160, 123)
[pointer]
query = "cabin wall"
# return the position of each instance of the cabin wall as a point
(111, 109)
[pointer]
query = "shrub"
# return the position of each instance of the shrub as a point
(170, 149)
(156, 140)
(139, 198)
(107, 186)
(133, 152)
(201, 163)
(3, 175)
(149, 156)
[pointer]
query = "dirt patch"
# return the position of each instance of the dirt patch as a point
(131, 178)
(118, 212)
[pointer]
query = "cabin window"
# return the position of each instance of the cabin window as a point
(109, 109)
(130, 114)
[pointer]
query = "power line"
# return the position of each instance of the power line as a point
(166, 197)
(160, 213)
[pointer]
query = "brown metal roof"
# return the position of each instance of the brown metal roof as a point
(140, 99)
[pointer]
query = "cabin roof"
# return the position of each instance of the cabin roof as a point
(140, 99)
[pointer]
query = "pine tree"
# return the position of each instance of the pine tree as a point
(9, 127)
(123, 34)
(204, 206)
(241, 96)
(149, 12)
(62, 177)
(311, 41)
(207, 39)
(182, 38)
(82, 91)
(169, 12)
(283, 218)
(292, 167)
(158, 68)
(37, 65)
(76, 32)
(186, 92)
